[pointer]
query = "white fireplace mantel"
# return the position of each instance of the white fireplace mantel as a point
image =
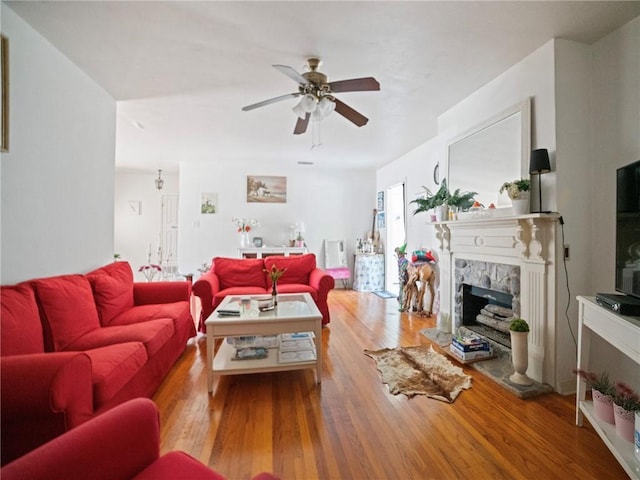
(528, 241)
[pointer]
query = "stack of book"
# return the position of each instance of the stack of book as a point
(296, 347)
(470, 347)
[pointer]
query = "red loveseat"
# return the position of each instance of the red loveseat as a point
(121, 444)
(73, 346)
(245, 276)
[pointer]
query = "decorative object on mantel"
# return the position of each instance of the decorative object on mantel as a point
(626, 402)
(519, 330)
(518, 192)
(601, 393)
(539, 165)
(150, 271)
(244, 226)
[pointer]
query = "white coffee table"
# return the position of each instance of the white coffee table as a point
(296, 312)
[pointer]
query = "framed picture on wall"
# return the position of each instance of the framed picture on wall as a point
(257, 242)
(265, 189)
(208, 203)
(381, 201)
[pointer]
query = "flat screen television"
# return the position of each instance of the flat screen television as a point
(628, 229)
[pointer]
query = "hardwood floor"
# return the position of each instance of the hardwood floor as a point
(350, 427)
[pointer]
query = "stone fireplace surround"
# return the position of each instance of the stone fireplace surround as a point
(527, 242)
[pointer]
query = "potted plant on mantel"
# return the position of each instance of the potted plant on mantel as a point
(461, 201)
(429, 201)
(519, 330)
(518, 192)
(601, 393)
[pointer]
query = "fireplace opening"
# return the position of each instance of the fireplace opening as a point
(487, 312)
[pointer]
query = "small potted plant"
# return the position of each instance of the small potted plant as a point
(601, 392)
(461, 201)
(626, 402)
(519, 330)
(518, 192)
(429, 201)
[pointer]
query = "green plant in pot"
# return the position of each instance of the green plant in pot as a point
(461, 201)
(429, 201)
(602, 391)
(516, 188)
(519, 330)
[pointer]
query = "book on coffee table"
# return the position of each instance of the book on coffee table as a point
(250, 353)
(297, 345)
(297, 356)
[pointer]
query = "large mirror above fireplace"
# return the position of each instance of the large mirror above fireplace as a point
(496, 151)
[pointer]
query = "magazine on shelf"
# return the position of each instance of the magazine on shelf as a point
(297, 356)
(250, 353)
(297, 345)
(470, 342)
(266, 341)
(297, 336)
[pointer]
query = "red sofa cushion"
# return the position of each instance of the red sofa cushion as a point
(113, 290)
(113, 367)
(298, 268)
(240, 272)
(20, 326)
(68, 309)
(152, 334)
(143, 313)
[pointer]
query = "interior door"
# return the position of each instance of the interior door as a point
(395, 235)
(169, 233)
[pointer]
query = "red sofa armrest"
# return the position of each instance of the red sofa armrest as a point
(117, 444)
(322, 282)
(43, 395)
(147, 293)
(206, 287)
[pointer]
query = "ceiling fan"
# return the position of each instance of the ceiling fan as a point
(318, 99)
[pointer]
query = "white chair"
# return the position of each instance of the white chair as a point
(335, 261)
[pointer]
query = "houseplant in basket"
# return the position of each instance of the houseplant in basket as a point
(625, 403)
(601, 393)
(519, 330)
(518, 192)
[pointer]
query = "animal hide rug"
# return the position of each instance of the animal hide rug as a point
(419, 370)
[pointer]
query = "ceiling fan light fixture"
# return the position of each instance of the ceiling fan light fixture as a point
(325, 107)
(299, 111)
(309, 102)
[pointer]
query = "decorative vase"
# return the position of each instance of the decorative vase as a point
(602, 406)
(274, 294)
(520, 357)
(625, 422)
(442, 213)
(245, 242)
(520, 205)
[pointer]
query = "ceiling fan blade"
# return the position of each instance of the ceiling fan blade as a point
(291, 73)
(271, 100)
(350, 114)
(301, 124)
(355, 85)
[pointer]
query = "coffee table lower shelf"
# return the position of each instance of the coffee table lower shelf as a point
(224, 365)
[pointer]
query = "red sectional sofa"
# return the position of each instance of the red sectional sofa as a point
(73, 346)
(122, 444)
(247, 276)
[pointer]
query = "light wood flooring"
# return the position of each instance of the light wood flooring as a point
(350, 427)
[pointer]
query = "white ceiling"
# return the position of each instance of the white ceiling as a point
(183, 70)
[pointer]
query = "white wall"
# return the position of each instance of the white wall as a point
(134, 233)
(333, 205)
(57, 179)
(615, 141)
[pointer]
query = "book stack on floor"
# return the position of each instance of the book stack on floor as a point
(469, 346)
(296, 347)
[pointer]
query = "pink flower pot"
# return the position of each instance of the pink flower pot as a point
(603, 406)
(625, 422)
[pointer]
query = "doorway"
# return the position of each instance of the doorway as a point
(169, 234)
(396, 234)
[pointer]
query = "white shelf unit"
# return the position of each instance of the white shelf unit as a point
(623, 333)
(222, 362)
